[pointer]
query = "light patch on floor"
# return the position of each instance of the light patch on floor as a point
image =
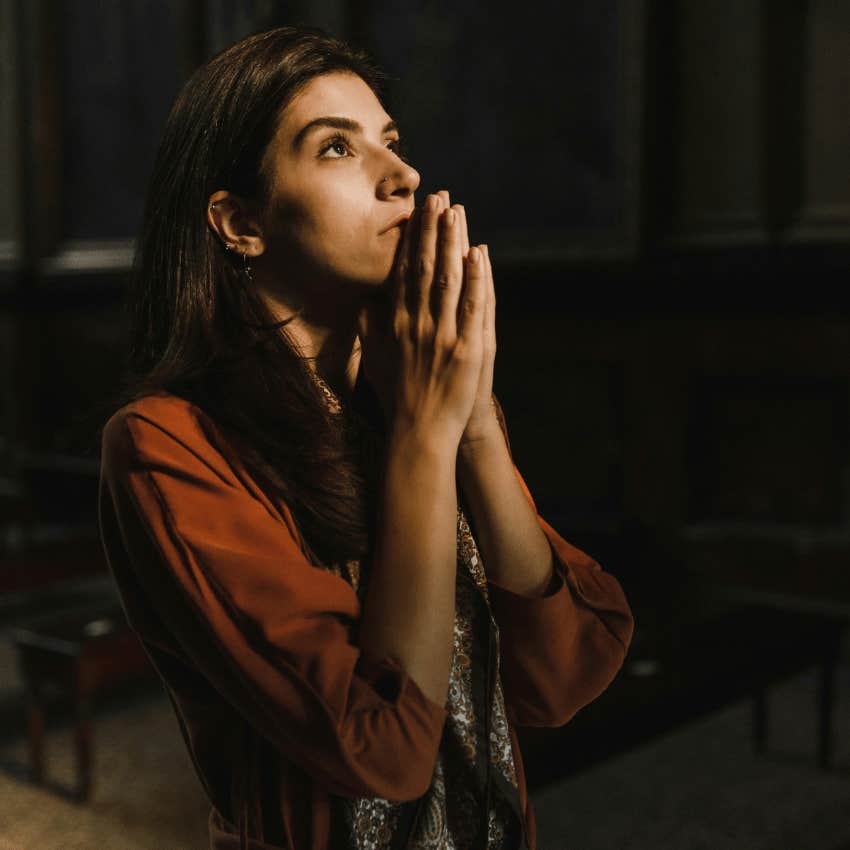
(702, 788)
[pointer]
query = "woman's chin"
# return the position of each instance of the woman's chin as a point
(384, 276)
(377, 274)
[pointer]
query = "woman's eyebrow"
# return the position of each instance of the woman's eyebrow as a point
(338, 123)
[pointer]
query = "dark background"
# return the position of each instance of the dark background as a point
(665, 190)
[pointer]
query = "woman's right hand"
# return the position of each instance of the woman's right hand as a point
(435, 329)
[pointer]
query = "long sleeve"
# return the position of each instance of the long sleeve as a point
(561, 651)
(270, 631)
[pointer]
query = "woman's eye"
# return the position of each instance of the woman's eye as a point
(341, 145)
(336, 143)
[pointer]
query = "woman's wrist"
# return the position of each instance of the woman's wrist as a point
(480, 437)
(416, 441)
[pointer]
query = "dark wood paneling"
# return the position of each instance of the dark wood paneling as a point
(717, 194)
(599, 363)
(96, 85)
(825, 211)
(76, 357)
(113, 104)
(784, 27)
(768, 450)
(565, 411)
(539, 137)
(9, 147)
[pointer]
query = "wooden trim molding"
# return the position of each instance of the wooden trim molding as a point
(89, 256)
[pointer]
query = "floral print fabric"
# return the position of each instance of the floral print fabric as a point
(475, 745)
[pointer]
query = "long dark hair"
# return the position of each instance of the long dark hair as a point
(199, 330)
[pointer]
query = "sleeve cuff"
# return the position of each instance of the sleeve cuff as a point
(393, 683)
(556, 589)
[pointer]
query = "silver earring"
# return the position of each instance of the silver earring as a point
(246, 268)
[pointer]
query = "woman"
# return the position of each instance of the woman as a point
(337, 571)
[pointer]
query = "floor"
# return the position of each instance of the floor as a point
(701, 787)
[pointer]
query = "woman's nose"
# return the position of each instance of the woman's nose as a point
(403, 180)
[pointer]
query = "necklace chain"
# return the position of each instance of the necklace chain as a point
(333, 400)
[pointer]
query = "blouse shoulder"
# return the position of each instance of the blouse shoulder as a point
(164, 428)
(164, 416)
(170, 412)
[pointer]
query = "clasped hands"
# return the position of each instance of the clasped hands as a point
(438, 298)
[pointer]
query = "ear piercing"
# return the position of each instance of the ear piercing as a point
(246, 269)
(229, 247)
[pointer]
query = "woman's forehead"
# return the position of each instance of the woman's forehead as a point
(337, 94)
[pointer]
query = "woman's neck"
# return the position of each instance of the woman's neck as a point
(334, 353)
(327, 341)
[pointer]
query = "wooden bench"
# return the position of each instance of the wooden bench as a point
(73, 655)
(677, 674)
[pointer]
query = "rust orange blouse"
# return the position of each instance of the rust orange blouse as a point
(278, 707)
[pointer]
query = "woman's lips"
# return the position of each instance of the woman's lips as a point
(399, 219)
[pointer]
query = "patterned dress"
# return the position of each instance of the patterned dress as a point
(473, 800)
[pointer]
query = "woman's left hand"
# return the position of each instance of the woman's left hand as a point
(482, 421)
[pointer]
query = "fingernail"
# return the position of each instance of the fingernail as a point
(431, 203)
(450, 217)
(474, 255)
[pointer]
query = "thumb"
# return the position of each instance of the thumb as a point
(371, 323)
(363, 324)
(366, 334)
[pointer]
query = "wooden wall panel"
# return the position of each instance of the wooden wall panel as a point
(563, 401)
(96, 83)
(716, 122)
(9, 198)
(683, 423)
(825, 212)
(654, 361)
(8, 397)
(623, 403)
(113, 104)
(768, 450)
(79, 355)
(539, 137)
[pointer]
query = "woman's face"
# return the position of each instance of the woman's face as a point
(337, 189)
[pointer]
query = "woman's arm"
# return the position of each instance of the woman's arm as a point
(518, 554)
(515, 550)
(560, 648)
(408, 613)
(565, 624)
(211, 572)
(435, 341)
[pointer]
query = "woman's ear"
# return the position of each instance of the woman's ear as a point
(230, 218)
